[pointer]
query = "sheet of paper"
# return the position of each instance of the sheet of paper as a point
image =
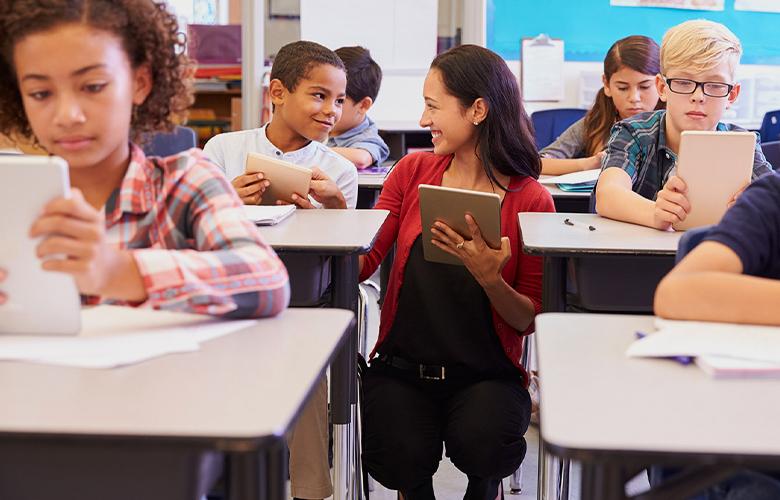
(695, 338)
(115, 336)
(268, 215)
(581, 177)
(542, 70)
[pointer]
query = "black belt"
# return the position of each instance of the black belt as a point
(425, 372)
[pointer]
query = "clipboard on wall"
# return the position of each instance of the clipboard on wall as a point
(541, 69)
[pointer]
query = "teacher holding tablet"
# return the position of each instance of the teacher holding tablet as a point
(446, 368)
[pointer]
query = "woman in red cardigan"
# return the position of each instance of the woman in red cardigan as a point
(446, 368)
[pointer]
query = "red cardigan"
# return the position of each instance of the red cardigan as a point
(403, 226)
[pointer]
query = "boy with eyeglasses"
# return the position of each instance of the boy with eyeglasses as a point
(638, 182)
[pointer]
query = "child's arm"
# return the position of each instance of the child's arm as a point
(616, 199)
(359, 156)
(560, 166)
(322, 189)
(708, 285)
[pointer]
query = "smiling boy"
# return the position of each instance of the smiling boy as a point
(638, 182)
(307, 88)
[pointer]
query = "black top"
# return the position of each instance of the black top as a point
(444, 318)
(751, 228)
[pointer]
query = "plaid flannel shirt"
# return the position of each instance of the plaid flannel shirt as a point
(193, 244)
(638, 146)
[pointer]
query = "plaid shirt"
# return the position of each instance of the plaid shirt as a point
(191, 240)
(638, 146)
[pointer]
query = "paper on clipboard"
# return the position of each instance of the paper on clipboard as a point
(541, 69)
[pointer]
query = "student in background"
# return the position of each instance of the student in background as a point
(447, 363)
(86, 78)
(355, 136)
(308, 85)
(629, 89)
(638, 182)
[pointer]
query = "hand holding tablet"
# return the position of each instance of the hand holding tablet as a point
(282, 179)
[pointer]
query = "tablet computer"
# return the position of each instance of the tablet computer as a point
(450, 205)
(714, 166)
(38, 301)
(286, 178)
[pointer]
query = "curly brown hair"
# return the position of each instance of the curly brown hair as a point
(150, 36)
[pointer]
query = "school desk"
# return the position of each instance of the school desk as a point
(616, 265)
(342, 235)
(144, 428)
(641, 412)
(568, 201)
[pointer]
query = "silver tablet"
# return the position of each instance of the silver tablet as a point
(38, 301)
(714, 166)
(450, 205)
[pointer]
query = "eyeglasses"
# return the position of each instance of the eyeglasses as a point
(685, 86)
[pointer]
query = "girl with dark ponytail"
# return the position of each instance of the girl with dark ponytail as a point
(629, 89)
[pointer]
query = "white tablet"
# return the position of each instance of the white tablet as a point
(38, 301)
(714, 166)
(286, 178)
(450, 205)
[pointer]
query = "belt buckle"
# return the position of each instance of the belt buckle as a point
(435, 376)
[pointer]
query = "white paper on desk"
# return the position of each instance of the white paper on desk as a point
(696, 338)
(581, 177)
(268, 215)
(114, 336)
(723, 367)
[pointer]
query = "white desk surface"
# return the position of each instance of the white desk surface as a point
(247, 385)
(400, 126)
(546, 233)
(595, 398)
(557, 192)
(326, 231)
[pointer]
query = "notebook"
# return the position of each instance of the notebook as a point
(268, 215)
(720, 349)
(576, 182)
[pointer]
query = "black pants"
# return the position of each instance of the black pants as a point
(406, 420)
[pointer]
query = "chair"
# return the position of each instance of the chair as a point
(772, 152)
(550, 123)
(170, 143)
(770, 126)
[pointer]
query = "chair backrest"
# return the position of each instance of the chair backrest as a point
(772, 152)
(550, 123)
(770, 126)
(167, 144)
(690, 240)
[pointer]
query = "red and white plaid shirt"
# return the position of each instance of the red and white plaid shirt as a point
(193, 244)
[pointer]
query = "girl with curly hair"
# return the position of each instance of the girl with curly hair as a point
(85, 78)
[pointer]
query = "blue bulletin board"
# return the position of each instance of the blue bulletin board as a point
(589, 27)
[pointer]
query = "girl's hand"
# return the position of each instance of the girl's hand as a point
(592, 162)
(482, 261)
(75, 243)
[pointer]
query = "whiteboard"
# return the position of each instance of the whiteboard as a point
(401, 34)
(541, 69)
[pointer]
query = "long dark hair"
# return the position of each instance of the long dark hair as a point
(637, 52)
(505, 139)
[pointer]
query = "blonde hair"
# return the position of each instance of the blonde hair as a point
(698, 46)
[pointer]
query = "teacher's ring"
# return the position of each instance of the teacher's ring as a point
(460, 245)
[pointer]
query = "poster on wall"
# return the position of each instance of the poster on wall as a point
(674, 4)
(757, 5)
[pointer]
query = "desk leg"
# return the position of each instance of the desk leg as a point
(258, 475)
(343, 381)
(554, 284)
(602, 481)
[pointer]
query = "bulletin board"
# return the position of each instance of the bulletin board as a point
(590, 27)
